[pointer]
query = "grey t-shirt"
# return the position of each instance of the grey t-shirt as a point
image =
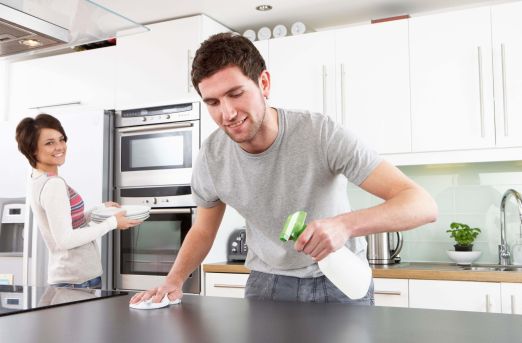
(306, 168)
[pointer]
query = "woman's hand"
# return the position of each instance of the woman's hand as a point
(111, 204)
(124, 223)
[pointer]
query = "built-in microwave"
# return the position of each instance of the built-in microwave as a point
(156, 146)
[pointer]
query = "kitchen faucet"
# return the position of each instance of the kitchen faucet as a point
(504, 255)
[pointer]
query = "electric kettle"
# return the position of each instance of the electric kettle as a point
(380, 250)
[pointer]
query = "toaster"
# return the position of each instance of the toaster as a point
(236, 246)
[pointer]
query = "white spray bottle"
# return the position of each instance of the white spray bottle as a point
(342, 267)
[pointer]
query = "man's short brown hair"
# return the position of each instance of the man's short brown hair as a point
(28, 132)
(223, 50)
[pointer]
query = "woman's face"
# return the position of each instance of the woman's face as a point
(50, 149)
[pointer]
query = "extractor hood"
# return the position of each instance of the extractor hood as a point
(35, 26)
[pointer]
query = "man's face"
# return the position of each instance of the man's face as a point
(235, 102)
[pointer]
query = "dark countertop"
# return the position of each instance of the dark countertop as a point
(404, 270)
(213, 319)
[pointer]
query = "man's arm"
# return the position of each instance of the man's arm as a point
(406, 205)
(195, 247)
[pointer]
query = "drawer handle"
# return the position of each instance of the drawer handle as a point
(387, 292)
(224, 285)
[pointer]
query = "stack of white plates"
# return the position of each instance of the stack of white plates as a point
(136, 212)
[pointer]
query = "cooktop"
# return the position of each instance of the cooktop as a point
(16, 299)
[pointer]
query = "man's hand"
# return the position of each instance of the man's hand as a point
(322, 237)
(158, 293)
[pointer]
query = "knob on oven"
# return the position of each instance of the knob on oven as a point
(144, 119)
(155, 201)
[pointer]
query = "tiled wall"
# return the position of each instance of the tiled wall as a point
(467, 193)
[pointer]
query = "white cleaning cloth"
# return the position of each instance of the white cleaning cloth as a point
(149, 305)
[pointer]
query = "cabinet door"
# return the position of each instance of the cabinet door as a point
(391, 292)
(302, 72)
(507, 58)
(85, 77)
(225, 285)
(455, 295)
(153, 67)
(451, 81)
(511, 298)
(373, 84)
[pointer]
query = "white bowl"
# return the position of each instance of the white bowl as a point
(464, 257)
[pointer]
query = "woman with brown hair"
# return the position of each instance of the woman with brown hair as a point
(74, 259)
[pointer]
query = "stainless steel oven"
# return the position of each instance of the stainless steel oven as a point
(157, 145)
(143, 255)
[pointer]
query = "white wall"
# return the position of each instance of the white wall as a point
(15, 166)
(3, 90)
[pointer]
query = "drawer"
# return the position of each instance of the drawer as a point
(391, 292)
(225, 285)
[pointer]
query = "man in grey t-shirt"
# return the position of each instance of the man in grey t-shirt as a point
(268, 163)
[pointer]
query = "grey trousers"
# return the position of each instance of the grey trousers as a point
(273, 287)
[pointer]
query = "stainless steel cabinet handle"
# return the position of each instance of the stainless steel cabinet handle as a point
(224, 285)
(488, 303)
(155, 127)
(190, 58)
(513, 305)
(57, 105)
(343, 112)
(387, 292)
(481, 92)
(150, 262)
(324, 89)
(504, 88)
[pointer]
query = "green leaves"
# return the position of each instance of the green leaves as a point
(463, 234)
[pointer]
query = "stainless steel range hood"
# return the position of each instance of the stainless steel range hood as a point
(37, 26)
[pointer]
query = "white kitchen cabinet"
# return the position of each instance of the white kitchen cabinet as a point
(373, 86)
(391, 292)
(262, 46)
(85, 77)
(507, 59)
(511, 297)
(302, 70)
(455, 295)
(230, 285)
(154, 67)
(451, 81)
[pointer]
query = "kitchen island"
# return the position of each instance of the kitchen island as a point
(213, 319)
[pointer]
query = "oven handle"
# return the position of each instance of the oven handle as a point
(170, 210)
(155, 127)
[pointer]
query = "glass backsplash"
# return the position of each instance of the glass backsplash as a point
(467, 193)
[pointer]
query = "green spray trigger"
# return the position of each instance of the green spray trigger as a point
(294, 226)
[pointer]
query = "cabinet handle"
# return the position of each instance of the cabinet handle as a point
(513, 305)
(57, 105)
(343, 108)
(387, 292)
(224, 285)
(190, 58)
(504, 96)
(489, 303)
(324, 89)
(481, 92)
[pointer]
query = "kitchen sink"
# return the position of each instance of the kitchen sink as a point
(494, 268)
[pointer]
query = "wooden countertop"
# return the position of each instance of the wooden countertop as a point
(405, 270)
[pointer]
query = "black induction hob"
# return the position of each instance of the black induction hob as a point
(16, 299)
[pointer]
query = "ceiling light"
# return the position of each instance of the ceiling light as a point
(33, 43)
(263, 8)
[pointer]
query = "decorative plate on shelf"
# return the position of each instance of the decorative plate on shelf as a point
(264, 33)
(250, 34)
(464, 257)
(298, 28)
(279, 31)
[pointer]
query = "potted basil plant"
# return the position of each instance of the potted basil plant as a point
(464, 236)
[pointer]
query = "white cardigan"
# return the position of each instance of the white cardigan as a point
(73, 254)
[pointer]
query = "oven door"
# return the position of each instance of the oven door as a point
(144, 254)
(154, 155)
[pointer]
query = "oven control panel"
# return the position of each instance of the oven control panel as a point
(157, 115)
(156, 197)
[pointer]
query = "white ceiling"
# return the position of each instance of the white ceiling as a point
(239, 15)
